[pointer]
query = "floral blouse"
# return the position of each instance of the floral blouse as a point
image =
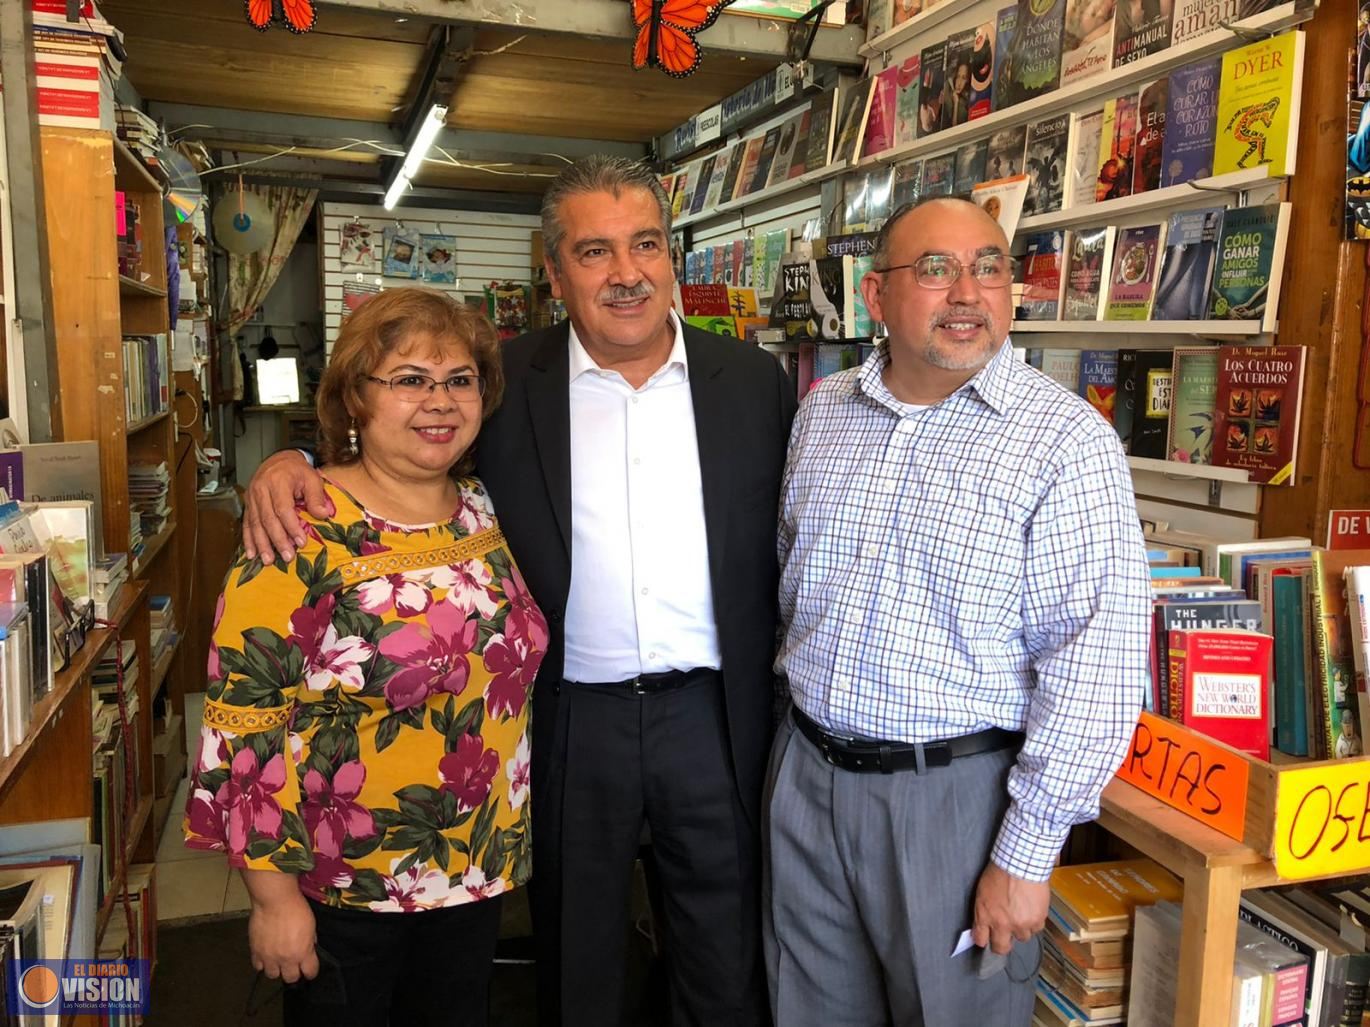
(366, 719)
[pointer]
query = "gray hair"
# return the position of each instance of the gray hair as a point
(881, 257)
(595, 174)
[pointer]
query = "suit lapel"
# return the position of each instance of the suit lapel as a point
(708, 385)
(549, 411)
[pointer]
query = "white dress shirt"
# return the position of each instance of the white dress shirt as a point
(640, 600)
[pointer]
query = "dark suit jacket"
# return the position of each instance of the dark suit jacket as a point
(743, 404)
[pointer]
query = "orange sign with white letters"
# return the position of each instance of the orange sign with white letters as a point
(1184, 769)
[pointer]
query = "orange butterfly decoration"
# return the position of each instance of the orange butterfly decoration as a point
(296, 15)
(666, 32)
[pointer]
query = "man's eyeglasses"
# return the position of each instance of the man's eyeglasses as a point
(939, 271)
(415, 388)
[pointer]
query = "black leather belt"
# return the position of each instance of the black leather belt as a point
(872, 757)
(650, 684)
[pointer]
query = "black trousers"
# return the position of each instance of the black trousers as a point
(621, 759)
(428, 969)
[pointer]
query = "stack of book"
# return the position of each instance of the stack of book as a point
(163, 627)
(1087, 939)
(76, 65)
(139, 131)
(147, 376)
(108, 576)
(16, 674)
(149, 489)
(128, 227)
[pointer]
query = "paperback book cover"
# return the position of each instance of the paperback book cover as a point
(1043, 262)
(1005, 24)
(1195, 19)
(1125, 398)
(956, 83)
(818, 143)
(851, 127)
(970, 165)
(1146, 168)
(705, 300)
(784, 152)
(1153, 381)
(736, 156)
(770, 142)
(715, 325)
(1191, 117)
(1086, 141)
(880, 124)
(799, 156)
(1091, 251)
(1132, 283)
(1117, 142)
(906, 101)
(1191, 245)
(1099, 380)
(1142, 29)
(703, 178)
(1004, 157)
(751, 159)
(904, 10)
(1260, 394)
(815, 301)
(1258, 106)
(1192, 408)
(1086, 39)
(939, 174)
(1219, 682)
(932, 71)
(1002, 199)
(908, 183)
(1035, 57)
(681, 191)
(1246, 278)
(1045, 162)
(982, 70)
(1061, 366)
(714, 195)
(879, 187)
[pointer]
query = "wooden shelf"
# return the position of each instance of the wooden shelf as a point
(1110, 211)
(146, 422)
(118, 879)
(131, 287)
(1175, 469)
(131, 174)
(779, 189)
(1099, 87)
(1208, 329)
(163, 666)
(153, 546)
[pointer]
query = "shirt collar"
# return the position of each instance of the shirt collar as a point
(581, 362)
(995, 383)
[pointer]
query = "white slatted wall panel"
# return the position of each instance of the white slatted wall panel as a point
(490, 247)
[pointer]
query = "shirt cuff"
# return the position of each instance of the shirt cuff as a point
(308, 455)
(1025, 849)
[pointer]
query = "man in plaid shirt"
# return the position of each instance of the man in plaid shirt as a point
(966, 602)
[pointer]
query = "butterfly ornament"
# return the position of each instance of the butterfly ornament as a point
(296, 15)
(666, 31)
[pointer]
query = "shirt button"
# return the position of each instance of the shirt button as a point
(651, 656)
(637, 460)
(644, 591)
(634, 400)
(887, 486)
(872, 550)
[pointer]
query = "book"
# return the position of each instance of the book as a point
(770, 142)
(1132, 280)
(1087, 266)
(1149, 152)
(703, 178)
(1153, 381)
(1086, 39)
(1191, 116)
(1117, 143)
(1085, 142)
(1194, 19)
(815, 299)
(903, 10)
(1257, 410)
(982, 52)
(1332, 686)
(956, 94)
(1125, 399)
(1002, 199)
(880, 122)
(705, 300)
(1142, 28)
(932, 72)
(60, 471)
(1191, 246)
(751, 159)
(1005, 25)
(1100, 899)
(852, 125)
(1329, 957)
(1250, 264)
(1293, 663)
(1099, 380)
(1258, 105)
(970, 165)
(1045, 163)
(908, 183)
(822, 124)
(906, 100)
(939, 174)
(1219, 679)
(1004, 153)
(1034, 59)
(1062, 366)
(714, 194)
(1192, 405)
(1043, 263)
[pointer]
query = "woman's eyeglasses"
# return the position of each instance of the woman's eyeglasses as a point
(415, 388)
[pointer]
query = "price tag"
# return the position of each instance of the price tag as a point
(1187, 771)
(1322, 820)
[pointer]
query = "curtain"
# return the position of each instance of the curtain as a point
(251, 276)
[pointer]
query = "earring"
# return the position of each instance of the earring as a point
(352, 444)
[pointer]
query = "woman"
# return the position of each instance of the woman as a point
(364, 754)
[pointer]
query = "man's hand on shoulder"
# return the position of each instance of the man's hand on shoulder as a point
(270, 525)
(1008, 908)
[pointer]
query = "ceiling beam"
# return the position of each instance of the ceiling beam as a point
(739, 35)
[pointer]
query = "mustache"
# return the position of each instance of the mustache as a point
(969, 312)
(618, 293)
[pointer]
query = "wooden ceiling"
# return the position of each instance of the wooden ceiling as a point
(366, 67)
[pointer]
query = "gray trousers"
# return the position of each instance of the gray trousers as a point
(870, 881)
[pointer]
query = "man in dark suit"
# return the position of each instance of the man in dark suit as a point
(635, 468)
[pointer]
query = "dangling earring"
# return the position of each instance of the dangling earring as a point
(352, 445)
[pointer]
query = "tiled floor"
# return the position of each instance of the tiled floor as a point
(191, 883)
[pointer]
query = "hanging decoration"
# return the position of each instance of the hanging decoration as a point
(666, 31)
(296, 15)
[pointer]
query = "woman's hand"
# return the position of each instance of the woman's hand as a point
(280, 929)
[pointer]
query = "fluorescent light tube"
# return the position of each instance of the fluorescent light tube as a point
(428, 131)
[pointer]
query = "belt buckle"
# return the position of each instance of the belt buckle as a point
(638, 687)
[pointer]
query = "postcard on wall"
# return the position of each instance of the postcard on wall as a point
(401, 253)
(439, 258)
(360, 246)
